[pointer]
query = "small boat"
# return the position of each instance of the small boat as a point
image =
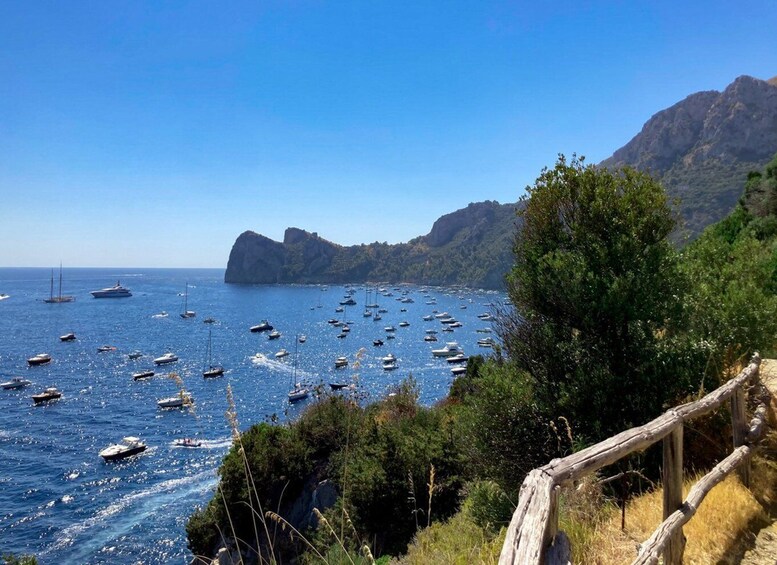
(428, 318)
(431, 332)
(442, 315)
(338, 386)
(460, 358)
(459, 370)
(47, 395)
(39, 359)
(348, 302)
(179, 401)
(298, 393)
(377, 342)
(486, 342)
(263, 327)
(390, 358)
(166, 358)
(377, 317)
(303, 338)
(116, 291)
(448, 321)
(143, 375)
(129, 446)
(430, 337)
(162, 314)
(403, 309)
(275, 334)
(135, 355)
(404, 324)
(486, 317)
(59, 299)
(187, 442)
(456, 324)
(341, 362)
(390, 366)
(15, 383)
(209, 321)
(105, 348)
(382, 310)
(281, 354)
(390, 329)
(451, 348)
(68, 337)
(342, 335)
(390, 336)
(186, 313)
(4, 296)
(484, 330)
(332, 321)
(339, 309)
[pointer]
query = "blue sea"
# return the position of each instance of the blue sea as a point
(60, 501)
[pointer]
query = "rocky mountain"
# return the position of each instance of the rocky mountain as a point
(702, 148)
(470, 247)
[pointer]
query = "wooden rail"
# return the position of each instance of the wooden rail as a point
(533, 537)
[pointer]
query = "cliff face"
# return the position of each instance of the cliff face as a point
(469, 247)
(702, 148)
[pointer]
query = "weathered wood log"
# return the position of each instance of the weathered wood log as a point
(739, 430)
(673, 493)
(656, 544)
(525, 540)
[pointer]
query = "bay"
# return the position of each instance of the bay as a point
(61, 502)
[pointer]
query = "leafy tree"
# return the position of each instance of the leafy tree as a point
(595, 287)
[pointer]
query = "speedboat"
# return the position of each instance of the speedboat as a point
(390, 358)
(486, 317)
(390, 329)
(47, 395)
(430, 337)
(15, 382)
(442, 315)
(303, 338)
(143, 375)
(39, 359)
(451, 348)
(263, 327)
(404, 324)
(187, 442)
(282, 353)
(341, 362)
(428, 318)
(460, 358)
(390, 366)
(298, 393)
(338, 386)
(179, 401)
(213, 371)
(162, 314)
(68, 337)
(377, 342)
(104, 348)
(486, 342)
(117, 291)
(135, 355)
(456, 324)
(275, 334)
(458, 370)
(166, 358)
(4, 296)
(130, 445)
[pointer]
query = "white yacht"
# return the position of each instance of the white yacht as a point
(15, 382)
(166, 358)
(117, 291)
(130, 445)
(281, 354)
(175, 401)
(39, 359)
(451, 348)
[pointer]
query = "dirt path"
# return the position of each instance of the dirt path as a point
(765, 550)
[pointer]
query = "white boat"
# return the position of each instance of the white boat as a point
(179, 401)
(428, 318)
(390, 358)
(486, 342)
(303, 338)
(213, 370)
(459, 370)
(263, 327)
(166, 358)
(143, 375)
(281, 354)
(341, 362)
(60, 298)
(404, 324)
(390, 366)
(47, 395)
(68, 337)
(486, 317)
(460, 358)
(39, 359)
(14, 383)
(186, 313)
(297, 392)
(116, 291)
(390, 329)
(4, 296)
(442, 315)
(275, 334)
(135, 355)
(451, 348)
(130, 445)
(106, 348)
(162, 314)
(187, 442)
(430, 337)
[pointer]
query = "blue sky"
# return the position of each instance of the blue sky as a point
(153, 133)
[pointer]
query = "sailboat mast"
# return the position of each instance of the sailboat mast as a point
(51, 291)
(60, 281)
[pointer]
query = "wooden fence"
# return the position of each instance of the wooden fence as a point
(533, 537)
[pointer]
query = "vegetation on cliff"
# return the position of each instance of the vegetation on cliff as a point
(611, 324)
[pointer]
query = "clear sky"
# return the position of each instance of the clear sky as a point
(153, 133)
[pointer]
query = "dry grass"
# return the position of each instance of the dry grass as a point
(718, 533)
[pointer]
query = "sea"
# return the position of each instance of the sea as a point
(61, 502)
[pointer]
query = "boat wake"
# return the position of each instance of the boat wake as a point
(262, 360)
(207, 444)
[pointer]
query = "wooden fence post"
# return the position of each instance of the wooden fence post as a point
(739, 430)
(673, 492)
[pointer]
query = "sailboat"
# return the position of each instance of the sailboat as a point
(212, 370)
(298, 392)
(186, 312)
(60, 298)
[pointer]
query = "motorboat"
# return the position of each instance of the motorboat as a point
(456, 324)
(390, 358)
(339, 309)
(390, 329)
(377, 317)
(484, 330)
(135, 355)
(47, 395)
(39, 359)
(143, 375)
(390, 366)
(442, 315)
(116, 291)
(129, 446)
(303, 338)
(162, 314)
(105, 348)
(459, 370)
(345, 328)
(332, 321)
(14, 383)
(166, 358)
(448, 321)
(431, 332)
(281, 354)
(451, 348)
(377, 342)
(342, 335)
(213, 371)
(178, 401)
(209, 321)
(486, 342)
(460, 358)
(428, 318)
(275, 334)
(341, 362)
(68, 337)
(263, 327)
(348, 302)
(298, 393)
(338, 386)
(187, 442)
(486, 317)
(404, 324)
(4, 296)
(430, 337)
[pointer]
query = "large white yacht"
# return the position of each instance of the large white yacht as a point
(129, 446)
(117, 291)
(166, 358)
(451, 348)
